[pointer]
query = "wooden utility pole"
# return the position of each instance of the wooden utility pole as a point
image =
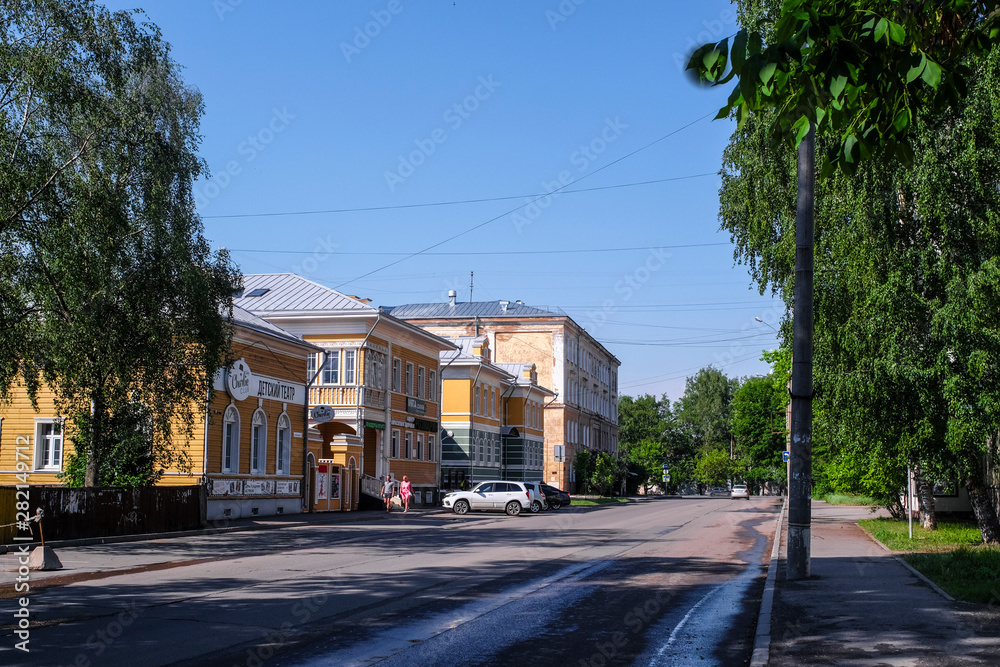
(800, 457)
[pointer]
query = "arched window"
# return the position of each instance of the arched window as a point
(283, 446)
(258, 443)
(231, 440)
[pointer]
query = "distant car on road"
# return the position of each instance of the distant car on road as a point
(556, 497)
(716, 491)
(740, 491)
(503, 496)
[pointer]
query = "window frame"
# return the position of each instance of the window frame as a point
(330, 371)
(408, 379)
(44, 444)
(349, 369)
(283, 445)
(394, 444)
(407, 445)
(421, 388)
(231, 444)
(258, 442)
(397, 373)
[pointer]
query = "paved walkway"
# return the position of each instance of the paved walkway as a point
(862, 606)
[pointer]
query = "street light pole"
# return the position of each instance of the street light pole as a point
(800, 464)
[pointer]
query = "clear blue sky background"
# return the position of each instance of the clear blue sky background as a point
(398, 106)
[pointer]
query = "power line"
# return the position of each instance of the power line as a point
(516, 208)
(456, 202)
(490, 252)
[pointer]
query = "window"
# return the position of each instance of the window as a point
(432, 386)
(281, 446)
(349, 361)
(258, 443)
(312, 363)
(420, 447)
(494, 412)
(475, 392)
(331, 368)
(231, 440)
(395, 375)
(407, 443)
(408, 389)
(430, 448)
(260, 291)
(395, 445)
(48, 445)
(421, 382)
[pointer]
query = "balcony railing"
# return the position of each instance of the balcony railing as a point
(347, 396)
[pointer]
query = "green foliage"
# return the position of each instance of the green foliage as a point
(705, 409)
(129, 458)
(714, 468)
(109, 292)
(605, 474)
(646, 460)
(861, 71)
(583, 468)
(907, 284)
(759, 431)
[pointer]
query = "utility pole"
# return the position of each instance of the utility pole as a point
(800, 463)
(472, 275)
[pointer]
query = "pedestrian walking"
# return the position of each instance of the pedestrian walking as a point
(387, 492)
(405, 491)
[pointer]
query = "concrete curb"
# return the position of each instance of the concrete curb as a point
(920, 575)
(762, 641)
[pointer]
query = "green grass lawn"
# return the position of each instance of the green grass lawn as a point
(843, 499)
(597, 501)
(953, 556)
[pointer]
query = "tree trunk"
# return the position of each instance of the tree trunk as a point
(925, 499)
(983, 497)
(93, 438)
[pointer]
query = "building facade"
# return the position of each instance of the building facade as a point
(374, 388)
(568, 360)
(491, 423)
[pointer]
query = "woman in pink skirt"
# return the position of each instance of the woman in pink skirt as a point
(405, 491)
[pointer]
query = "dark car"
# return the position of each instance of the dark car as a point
(556, 497)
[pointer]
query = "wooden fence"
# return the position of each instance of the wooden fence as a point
(79, 513)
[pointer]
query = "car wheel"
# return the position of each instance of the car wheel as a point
(536, 507)
(513, 508)
(555, 504)
(461, 507)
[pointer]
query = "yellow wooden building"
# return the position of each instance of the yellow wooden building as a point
(247, 450)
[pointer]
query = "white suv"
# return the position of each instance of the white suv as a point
(501, 495)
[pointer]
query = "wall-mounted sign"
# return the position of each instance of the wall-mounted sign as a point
(374, 424)
(238, 379)
(425, 425)
(321, 413)
(415, 406)
(276, 389)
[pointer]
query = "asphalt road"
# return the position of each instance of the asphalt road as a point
(658, 582)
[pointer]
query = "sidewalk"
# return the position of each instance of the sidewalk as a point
(862, 606)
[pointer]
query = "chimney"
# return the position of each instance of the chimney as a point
(503, 306)
(451, 297)
(519, 302)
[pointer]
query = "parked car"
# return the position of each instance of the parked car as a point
(716, 491)
(556, 497)
(497, 495)
(538, 500)
(740, 491)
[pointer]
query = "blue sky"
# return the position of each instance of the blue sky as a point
(344, 137)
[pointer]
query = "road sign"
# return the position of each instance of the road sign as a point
(784, 456)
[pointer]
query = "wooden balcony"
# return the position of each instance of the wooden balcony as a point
(347, 396)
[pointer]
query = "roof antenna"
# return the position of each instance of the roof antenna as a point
(472, 282)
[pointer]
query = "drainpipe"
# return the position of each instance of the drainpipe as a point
(503, 420)
(204, 460)
(305, 434)
(359, 421)
(473, 420)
